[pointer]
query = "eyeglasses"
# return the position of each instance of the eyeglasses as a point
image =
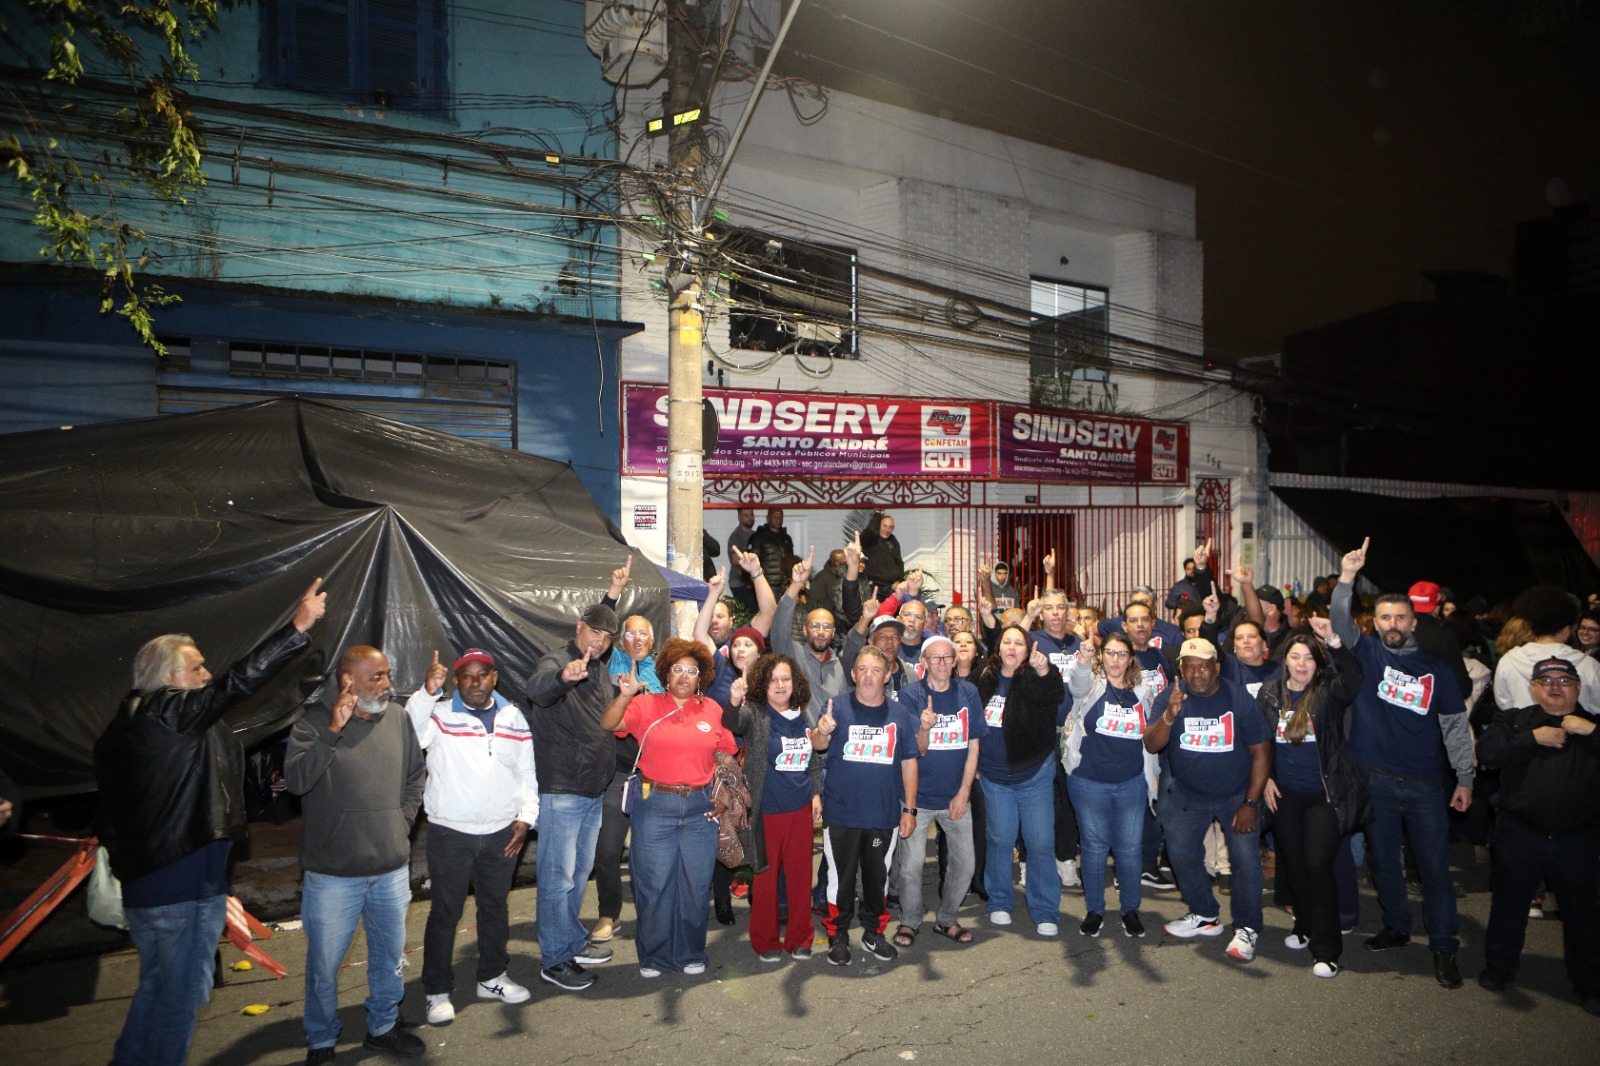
(941, 658)
(1555, 682)
(1108, 654)
(1591, 630)
(683, 670)
(819, 625)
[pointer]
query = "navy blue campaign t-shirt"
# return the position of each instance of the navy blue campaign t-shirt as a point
(787, 786)
(959, 710)
(1153, 670)
(861, 781)
(722, 679)
(1248, 677)
(1296, 765)
(1395, 726)
(1162, 635)
(1060, 653)
(1209, 751)
(1112, 749)
(993, 764)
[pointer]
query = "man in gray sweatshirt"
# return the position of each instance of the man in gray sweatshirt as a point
(359, 772)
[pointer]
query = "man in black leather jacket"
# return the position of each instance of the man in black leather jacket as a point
(171, 782)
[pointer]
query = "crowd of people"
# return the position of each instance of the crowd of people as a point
(1179, 743)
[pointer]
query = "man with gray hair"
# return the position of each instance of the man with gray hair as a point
(171, 778)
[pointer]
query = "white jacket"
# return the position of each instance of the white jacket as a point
(477, 783)
(1514, 671)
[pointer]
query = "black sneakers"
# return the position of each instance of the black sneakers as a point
(396, 1042)
(1090, 926)
(1131, 924)
(839, 951)
(1445, 970)
(1387, 938)
(879, 948)
(569, 975)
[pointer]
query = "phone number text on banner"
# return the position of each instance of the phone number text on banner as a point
(819, 435)
(1086, 446)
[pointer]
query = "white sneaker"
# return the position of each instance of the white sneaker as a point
(1296, 942)
(502, 988)
(1000, 918)
(647, 972)
(1068, 869)
(440, 1010)
(1326, 969)
(694, 968)
(1192, 924)
(1243, 944)
(1047, 929)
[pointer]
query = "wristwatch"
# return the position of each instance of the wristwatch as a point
(1257, 804)
(908, 810)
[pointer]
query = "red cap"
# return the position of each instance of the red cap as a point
(474, 655)
(1424, 596)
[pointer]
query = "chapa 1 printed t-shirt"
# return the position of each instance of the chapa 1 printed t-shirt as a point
(1209, 750)
(1113, 737)
(1395, 721)
(960, 719)
(861, 785)
(787, 786)
(1296, 766)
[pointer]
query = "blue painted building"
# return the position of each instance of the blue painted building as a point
(408, 210)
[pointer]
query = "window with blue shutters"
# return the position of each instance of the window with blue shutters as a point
(388, 54)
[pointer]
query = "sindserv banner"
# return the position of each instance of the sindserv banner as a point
(790, 434)
(1085, 446)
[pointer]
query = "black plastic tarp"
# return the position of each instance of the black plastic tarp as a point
(1486, 546)
(213, 524)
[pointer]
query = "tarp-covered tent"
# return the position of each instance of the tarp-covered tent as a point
(213, 524)
(1480, 545)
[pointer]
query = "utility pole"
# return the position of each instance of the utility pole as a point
(685, 316)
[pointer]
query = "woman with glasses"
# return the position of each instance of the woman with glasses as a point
(631, 655)
(1111, 777)
(681, 737)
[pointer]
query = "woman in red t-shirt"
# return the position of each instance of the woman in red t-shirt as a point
(674, 838)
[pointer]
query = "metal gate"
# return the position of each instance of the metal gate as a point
(1213, 521)
(1102, 552)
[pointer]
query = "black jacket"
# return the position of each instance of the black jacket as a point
(571, 753)
(1330, 720)
(1029, 726)
(1554, 790)
(772, 547)
(171, 775)
(881, 555)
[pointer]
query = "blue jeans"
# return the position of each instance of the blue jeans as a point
(674, 849)
(177, 946)
(1110, 821)
(1418, 810)
(1185, 817)
(330, 907)
(569, 825)
(1032, 806)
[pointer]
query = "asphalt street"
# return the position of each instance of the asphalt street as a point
(1012, 996)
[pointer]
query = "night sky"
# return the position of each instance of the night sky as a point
(1339, 148)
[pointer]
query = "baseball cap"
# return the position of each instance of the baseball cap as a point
(1270, 594)
(886, 620)
(1424, 596)
(1555, 666)
(474, 655)
(1197, 648)
(601, 619)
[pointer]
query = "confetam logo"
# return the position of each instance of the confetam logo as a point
(870, 744)
(949, 732)
(1415, 694)
(1208, 735)
(950, 421)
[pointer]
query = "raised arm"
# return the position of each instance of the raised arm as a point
(1244, 579)
(1344, 622)
(766, 602)
(702, 623)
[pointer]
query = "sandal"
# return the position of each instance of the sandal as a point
(905, 936)
(955, 932)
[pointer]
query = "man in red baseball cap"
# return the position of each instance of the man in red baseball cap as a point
(482, 797)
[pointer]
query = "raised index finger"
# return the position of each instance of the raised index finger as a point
(1364, 542)
(315, 585)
